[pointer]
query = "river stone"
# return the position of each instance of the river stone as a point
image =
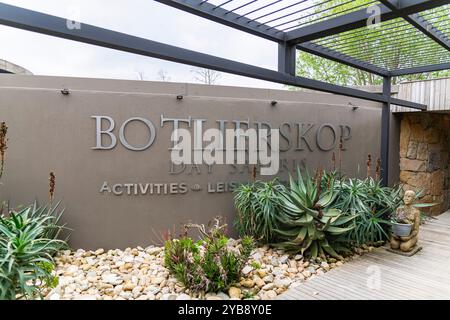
(223, 295)
(129, 286)
(246, 270)
(257, 256)
(271, 294)
(158, 280)
(168, 296)
(269, 286)
(269, 278)
(184, 296)
(298, 257)
(55, 296)
(284, 259)
(234, 292)
(259, 282)
(248, 283)
(153, 250)
(112, 279)
(128, 259)
(282, 283)
(261, 273)
(99, 251)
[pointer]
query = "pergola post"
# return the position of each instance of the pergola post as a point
(385, 130)
(287, 58)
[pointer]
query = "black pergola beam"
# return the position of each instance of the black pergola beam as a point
(56, 26)
(419, 23)
(333, 55)
(357, 19)
(422, 69)
(220, 15)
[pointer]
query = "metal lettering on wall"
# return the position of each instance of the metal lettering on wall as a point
(300, 137)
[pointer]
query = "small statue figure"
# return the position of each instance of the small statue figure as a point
(409, 215)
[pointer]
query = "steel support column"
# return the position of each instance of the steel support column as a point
(287, 58)
(385, 130)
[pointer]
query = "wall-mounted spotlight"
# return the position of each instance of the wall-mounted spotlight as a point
(179, 97)
(273, 103)
(354, 107)
(65, 91)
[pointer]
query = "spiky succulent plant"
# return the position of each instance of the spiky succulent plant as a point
(308, 223)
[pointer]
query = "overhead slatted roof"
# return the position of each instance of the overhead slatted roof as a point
(412, 36)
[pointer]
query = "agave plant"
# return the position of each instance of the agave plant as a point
(258, 209)
(308, 223)
(27, 244)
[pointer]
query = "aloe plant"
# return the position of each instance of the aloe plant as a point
(27, 244)
(258, 209)
(372, 204)
(308, 222)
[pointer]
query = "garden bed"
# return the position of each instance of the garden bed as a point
(139, 274)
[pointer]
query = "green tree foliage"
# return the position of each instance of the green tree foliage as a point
(380, 45)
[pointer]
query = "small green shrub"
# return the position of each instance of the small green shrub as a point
(27, 244)
(258, 209)
(211, 264)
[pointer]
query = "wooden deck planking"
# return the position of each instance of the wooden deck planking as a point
(422, 276)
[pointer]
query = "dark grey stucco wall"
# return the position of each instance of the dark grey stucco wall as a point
(49, 131)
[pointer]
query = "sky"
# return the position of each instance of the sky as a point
(45, 55)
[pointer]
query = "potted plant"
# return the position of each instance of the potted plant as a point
(401, 227)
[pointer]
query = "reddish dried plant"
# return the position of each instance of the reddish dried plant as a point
(318, 181)
(341, 149)
(161, 236)
(369, 165)
(52, 183)
(333, 161)
(3, 146)
(254, 173)
(378, 170)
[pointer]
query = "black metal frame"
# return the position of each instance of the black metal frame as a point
(288, 42)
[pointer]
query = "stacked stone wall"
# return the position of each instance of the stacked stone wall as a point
(424, 157)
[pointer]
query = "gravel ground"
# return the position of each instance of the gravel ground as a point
(139, 274)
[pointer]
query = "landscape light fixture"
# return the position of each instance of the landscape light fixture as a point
(354, 107)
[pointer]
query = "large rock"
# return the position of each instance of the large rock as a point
(437, 183)
(417, 133)
(422, 151)
(412, 150)
(405, 133)
(432, 135)
(434, 161)
(412, 165)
